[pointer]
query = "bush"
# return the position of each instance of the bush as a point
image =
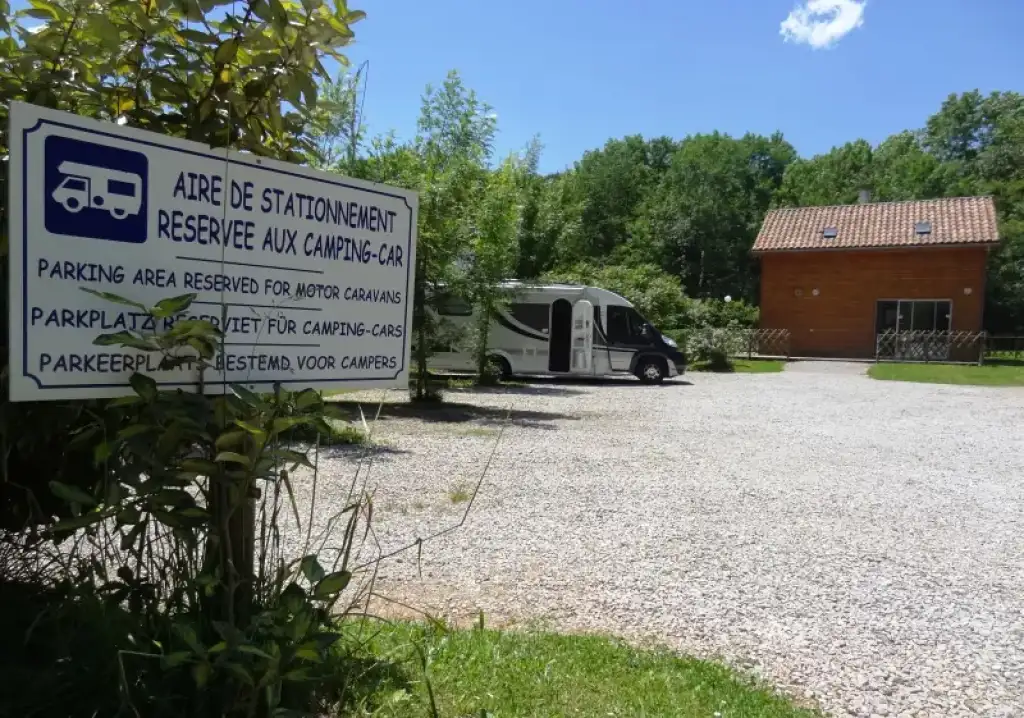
(164, 588)
(714, 346)
(718, 313)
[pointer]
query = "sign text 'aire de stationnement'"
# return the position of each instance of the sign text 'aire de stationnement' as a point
(308, 274)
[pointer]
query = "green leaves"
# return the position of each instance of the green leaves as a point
(332, 584)
(312, 569)
(173, 305)
(71, 494)
(104, 29)
(226, 52)
(144, 386)
(230, 457)
(126, 339)
(43, 10)
(250, 398)
(201, 673)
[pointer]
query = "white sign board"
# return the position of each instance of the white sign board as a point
(308, 274)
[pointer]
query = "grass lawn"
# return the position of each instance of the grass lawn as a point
(1001, 374)
(520, 674)
(748, 366)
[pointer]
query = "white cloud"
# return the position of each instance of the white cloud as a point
(822, 23)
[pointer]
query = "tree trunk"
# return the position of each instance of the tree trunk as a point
(420, 324)
(482, 327)
(231, 547)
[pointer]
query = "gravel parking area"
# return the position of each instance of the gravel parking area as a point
(858, 543)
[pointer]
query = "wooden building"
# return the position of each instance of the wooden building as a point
(836, 277)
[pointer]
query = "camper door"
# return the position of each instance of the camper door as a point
(583, 337)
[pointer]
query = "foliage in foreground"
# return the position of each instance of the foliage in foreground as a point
(144, 572)
(1008, 374)
(172, 559)
(513, 674)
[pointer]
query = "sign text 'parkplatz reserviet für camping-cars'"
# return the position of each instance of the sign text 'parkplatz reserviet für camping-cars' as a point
(308, 274)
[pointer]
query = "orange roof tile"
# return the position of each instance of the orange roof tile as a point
(954, 220)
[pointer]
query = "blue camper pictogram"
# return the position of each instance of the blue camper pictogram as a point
(95, 191)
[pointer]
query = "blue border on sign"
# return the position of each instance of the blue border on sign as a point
(24, 257)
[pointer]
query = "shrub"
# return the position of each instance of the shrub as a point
(166, 589)
(719, 313)
(714, 346)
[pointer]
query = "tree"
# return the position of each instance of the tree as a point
(832, 178)
(226, 74)
(903, 170)
(700, 222)
(557, 227)
(658, 296)
(456, 133)
(493, 249)
(336, 125)
(980, 141)
(531, 238)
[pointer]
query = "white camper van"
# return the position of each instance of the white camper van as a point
(84, 186)
(561, 329)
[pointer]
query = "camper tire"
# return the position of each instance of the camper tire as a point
(501, 368)
(651, 370)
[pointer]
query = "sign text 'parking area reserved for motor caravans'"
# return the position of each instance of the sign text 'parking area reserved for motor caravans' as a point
(308, 274)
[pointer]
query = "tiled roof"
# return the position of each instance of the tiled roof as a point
(954, 220)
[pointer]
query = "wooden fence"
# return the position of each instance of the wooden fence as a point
(740, 342)
(925, 346)
(1004, 347)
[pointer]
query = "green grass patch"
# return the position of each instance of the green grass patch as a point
(1002, 374)
(478, 431)
(342, 433)
(529, 674)
(746, 366)
(460, 493)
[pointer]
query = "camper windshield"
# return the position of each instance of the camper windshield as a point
(73, 183)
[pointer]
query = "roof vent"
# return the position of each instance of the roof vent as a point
(829, 232)
(923, 227)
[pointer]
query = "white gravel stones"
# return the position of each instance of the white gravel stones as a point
(858, 543)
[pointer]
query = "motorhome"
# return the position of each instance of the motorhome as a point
(86, 186)
(559, 329)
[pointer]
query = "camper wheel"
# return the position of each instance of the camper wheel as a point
(651, 370)
(501, 367)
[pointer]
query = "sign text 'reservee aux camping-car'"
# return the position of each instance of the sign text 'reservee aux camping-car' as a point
(308, 274)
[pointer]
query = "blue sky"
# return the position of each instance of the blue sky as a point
(578, 72)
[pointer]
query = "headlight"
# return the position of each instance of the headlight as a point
(671, 342)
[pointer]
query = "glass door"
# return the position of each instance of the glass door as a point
(916, 328)
(905, 315)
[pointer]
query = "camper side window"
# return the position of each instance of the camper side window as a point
(535, 316)
(451, 306)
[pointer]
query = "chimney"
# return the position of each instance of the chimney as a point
(864, 197)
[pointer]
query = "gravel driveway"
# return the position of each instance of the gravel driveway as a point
(858, 543)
